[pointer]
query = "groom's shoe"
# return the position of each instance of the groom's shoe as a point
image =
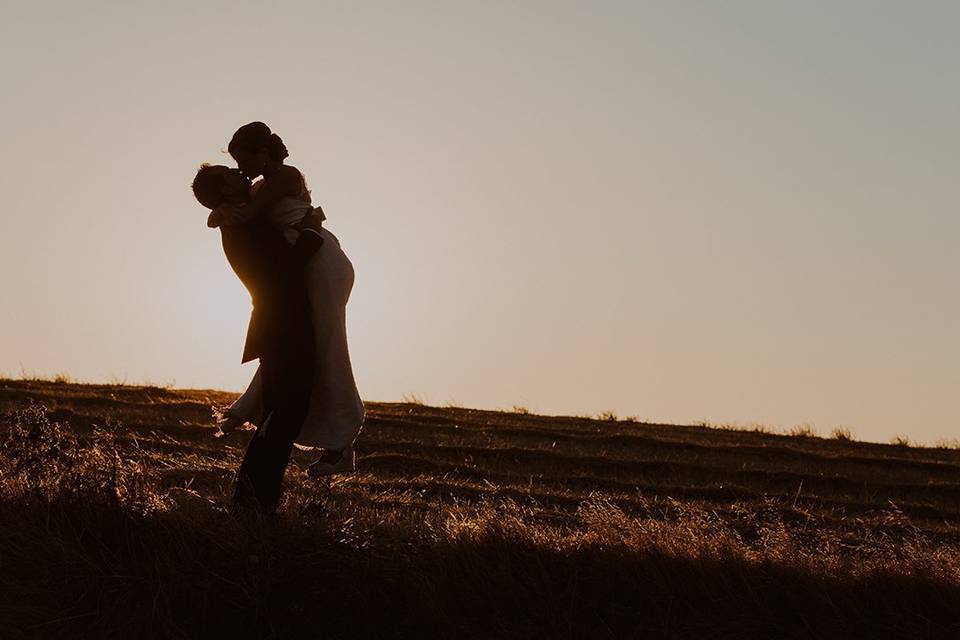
(333, 462)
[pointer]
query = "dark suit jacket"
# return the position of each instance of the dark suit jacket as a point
(271, 271)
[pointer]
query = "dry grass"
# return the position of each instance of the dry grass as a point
(464, 523)
(842, 434)
(802, 431)
(412, 398)
(901, 440)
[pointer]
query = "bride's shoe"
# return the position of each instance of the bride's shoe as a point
(333, 462)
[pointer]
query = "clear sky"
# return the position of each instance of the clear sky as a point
(734, 211)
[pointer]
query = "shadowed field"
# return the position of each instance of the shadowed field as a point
(465, 523)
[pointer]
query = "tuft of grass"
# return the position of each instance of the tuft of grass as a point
(520, 409)
(608, 416)
(412, 398)
(901, 441)
(842, 434)
(802, 431)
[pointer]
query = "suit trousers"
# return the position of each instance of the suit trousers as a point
(287, 370)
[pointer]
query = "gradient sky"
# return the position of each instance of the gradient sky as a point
(738, 212)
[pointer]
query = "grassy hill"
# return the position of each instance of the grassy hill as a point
(465, 523)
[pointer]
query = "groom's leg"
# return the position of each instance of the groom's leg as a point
(287, 371)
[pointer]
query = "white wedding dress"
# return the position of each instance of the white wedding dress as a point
(336, 411)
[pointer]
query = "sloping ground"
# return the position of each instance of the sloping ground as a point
(553, 462)
(698, 531)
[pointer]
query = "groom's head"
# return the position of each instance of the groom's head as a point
(216, 184)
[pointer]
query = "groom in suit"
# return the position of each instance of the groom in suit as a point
(279, 334)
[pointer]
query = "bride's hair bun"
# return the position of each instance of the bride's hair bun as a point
(276, 148)
(255, 136)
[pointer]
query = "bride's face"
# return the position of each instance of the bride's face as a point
(251, 163)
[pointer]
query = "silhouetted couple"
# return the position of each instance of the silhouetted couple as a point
(299, 281)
